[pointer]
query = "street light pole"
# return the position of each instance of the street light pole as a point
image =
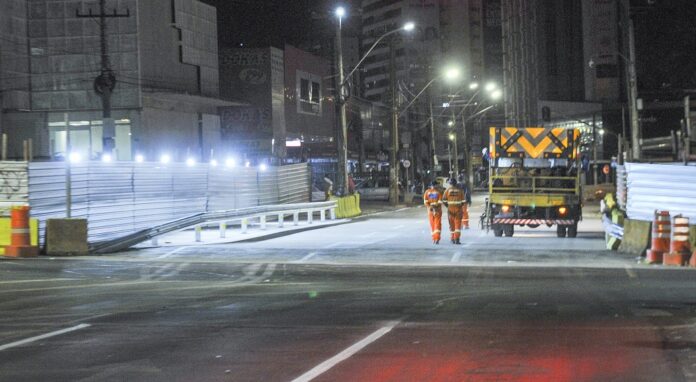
(342, 119)
(633, 93)
(394, 162)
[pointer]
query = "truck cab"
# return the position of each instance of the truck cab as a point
(534, 180)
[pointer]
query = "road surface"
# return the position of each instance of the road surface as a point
(370, 300)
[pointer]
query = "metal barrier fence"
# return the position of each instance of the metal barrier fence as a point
(119, 198)
(221, 218)
(670, 187)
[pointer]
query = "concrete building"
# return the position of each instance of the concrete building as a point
(164, 58)
(290, 112)
(457, 33)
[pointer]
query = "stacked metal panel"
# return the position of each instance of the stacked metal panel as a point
(653, 187)
(621, 190)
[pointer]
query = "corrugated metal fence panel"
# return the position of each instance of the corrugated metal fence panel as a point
(621, 191)
(47, 190)
(124, 197)
(268, 186)
(110, 199)
(660, 187)
(294, 183)
(14, 185)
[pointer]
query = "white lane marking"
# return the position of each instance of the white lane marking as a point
(630, 272)
(173, 251)
(400, 226)
(43, 336)
(455, 258)
(344, 355)
(336, 244)
(367, 235)
(35, 281)
(306, 258)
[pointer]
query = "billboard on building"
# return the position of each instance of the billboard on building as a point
(246, 76)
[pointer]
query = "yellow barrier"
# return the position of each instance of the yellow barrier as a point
(347, 206)
(5, 232)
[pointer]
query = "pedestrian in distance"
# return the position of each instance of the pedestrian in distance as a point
(454, 199)
(432, 199)
(467, 198)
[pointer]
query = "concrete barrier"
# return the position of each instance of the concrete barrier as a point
(5, 232)
(636, 238)
(66, 237)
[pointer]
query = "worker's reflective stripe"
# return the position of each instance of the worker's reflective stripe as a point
(455, 203)
(19, 230)
(457, 231)
(436, 231)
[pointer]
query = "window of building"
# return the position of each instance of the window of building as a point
(309, 89)
(304, 90)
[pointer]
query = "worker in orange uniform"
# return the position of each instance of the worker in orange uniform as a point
(467, 197)
(432, 199)
(454, 199)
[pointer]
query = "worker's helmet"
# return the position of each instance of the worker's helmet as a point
(453, 181)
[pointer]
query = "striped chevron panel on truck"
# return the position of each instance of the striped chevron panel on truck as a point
(533, 142)
(533, 221)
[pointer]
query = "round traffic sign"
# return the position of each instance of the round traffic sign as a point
(407, 163)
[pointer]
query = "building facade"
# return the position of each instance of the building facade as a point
(288, 112)
(163, 56)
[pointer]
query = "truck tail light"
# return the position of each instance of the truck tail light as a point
(562, 211)
(505, 209)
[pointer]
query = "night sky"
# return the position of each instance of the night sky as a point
(665, 33)
(262, 23)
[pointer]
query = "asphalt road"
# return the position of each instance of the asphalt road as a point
(371, 300)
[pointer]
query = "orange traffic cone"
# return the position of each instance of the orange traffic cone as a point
(20, 236)
(679, 243)
(661, 230)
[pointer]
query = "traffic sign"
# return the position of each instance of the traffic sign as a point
(407, 163)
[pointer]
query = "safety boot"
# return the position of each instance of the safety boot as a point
(458, 242)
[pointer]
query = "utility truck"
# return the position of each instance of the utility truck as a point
(534, 180)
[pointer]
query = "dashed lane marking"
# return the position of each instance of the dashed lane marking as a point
(306, 258)
(345, 354)
(455, 258)
(631, 273)
(172, 252)
(43, 336)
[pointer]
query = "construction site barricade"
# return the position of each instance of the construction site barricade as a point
(679, 248)
(636, 237)
(660, 237)
(20, 238)
(347, 206)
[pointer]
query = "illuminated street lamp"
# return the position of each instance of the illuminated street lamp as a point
(342, 80)
(473, 86)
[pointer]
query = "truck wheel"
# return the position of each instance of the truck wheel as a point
(573, 230)
(561, 230)
(497, 230)
(509, 230)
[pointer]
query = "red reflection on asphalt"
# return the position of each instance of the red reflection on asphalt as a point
(558, 354)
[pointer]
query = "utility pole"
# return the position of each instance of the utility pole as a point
(432, 141)
(633, 93)
(105, 82)
(453, 124)
(342, 140)
(394, 163)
